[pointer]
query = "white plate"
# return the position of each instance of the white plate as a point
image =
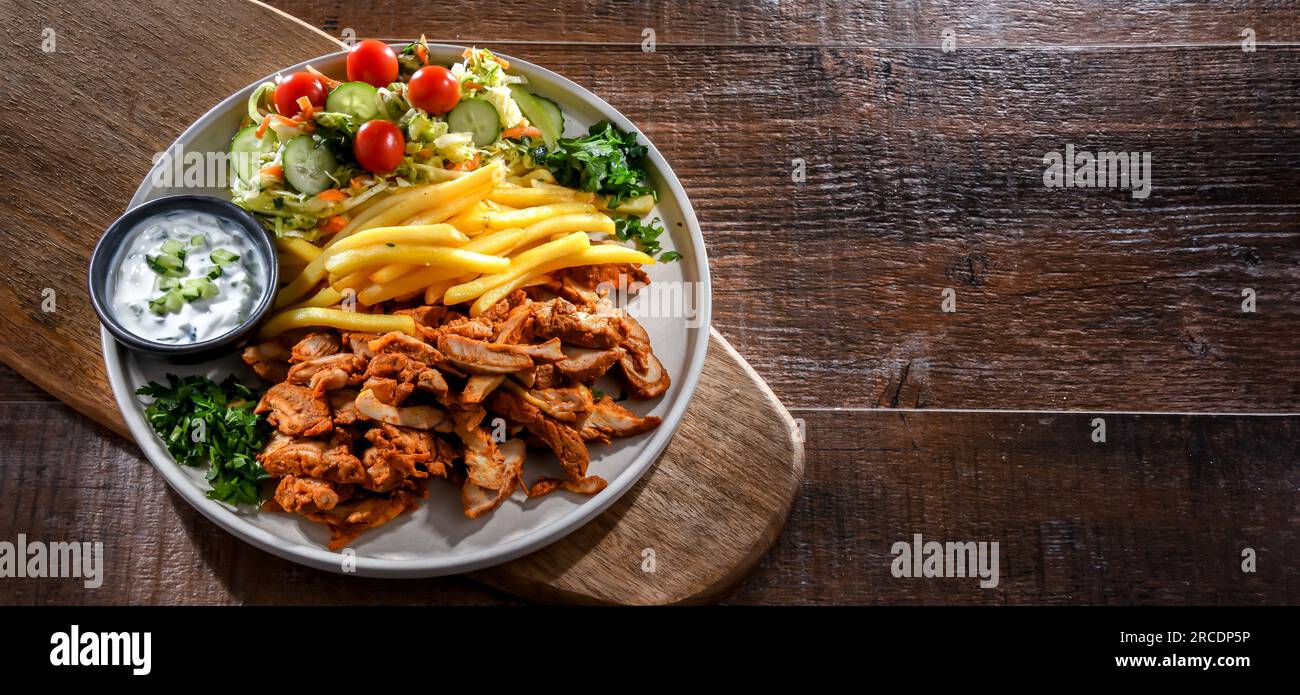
(436, 538)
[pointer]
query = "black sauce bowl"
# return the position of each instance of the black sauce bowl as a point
(105, 260)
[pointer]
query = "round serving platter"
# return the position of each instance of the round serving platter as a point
(436, 538)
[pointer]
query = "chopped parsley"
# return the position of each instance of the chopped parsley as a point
(202, 422)
(646, 235)
(606, 161)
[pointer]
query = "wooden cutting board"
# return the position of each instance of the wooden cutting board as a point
(79, 141)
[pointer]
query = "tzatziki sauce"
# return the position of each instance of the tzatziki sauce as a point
(140, 289)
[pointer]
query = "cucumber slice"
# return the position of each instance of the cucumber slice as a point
(359, 100)
(307, 165)
(478, 118)
(247, 149)
(543, 113)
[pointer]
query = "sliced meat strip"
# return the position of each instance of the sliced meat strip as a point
(559, 318)
(548, 351)
(646, 376)
(477, 500)
(478, 357)
(318, 344)
(343, 404)
(348, 363)
(585, 365)
(566, 404)
(295, 410)
(416, 349)
(560, 438)
(351, 518)
(420, 417)
(315, 458)
(269, 360)
(359, 343)
(609, 419)
(478, 387)
(395, 365)
(589, 485)
(432, 381)
(395, 455)
(388, 391)
(303, 495)
(546, 376)
(516, 327)
(476, 329)
(484, 463)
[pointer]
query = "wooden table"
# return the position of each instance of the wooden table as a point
(923, 178)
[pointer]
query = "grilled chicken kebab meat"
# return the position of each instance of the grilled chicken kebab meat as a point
(363, 421)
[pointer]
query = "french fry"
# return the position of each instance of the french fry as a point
(528, 216)
(352, 260)
(352, 281)
(445, 199)
(391, 272)
(297, 248)
(593, 255)
(335, 318)
(520, 197)
(493, 243)
(540, 174)
(471, 221)
(435, 234)
(328, 296)
(375, 209)
(562, 224)
(520, 265)
(433, 293)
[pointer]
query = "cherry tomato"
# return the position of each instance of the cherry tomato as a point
(374, 62)
(295, 86)
(434, 89)
(379, 146)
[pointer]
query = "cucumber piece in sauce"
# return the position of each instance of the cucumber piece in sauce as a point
(247, 149)
(307, 165)
(543, 113)
(359, 100)
(478, 118)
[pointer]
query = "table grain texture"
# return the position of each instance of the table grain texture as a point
(922, 176)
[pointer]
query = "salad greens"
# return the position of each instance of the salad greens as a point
(302, 175)
(203, 422)
(646, 235)
(606, 161)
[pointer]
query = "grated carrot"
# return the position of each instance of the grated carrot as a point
(274, 170)
(266, 123)
(332, 195)
(334, 224)
(521, 131)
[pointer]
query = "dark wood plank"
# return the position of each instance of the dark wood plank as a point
(820, 22)
(1159, 514)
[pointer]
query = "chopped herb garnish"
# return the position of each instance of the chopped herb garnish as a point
(606, 161)
(596, 394)
(645, 234)
(202, 422)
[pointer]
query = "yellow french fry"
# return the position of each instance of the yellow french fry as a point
(529, 216)
(433, 293)
(326, 297)
(562, 224)
(297, 248)
(352, 281)
(352, 260)
(492, 243)
(335, 318)
(435, 203)
(520, 197)
(391, 272)
(435, 234)
(592, 255)
(519, 265)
